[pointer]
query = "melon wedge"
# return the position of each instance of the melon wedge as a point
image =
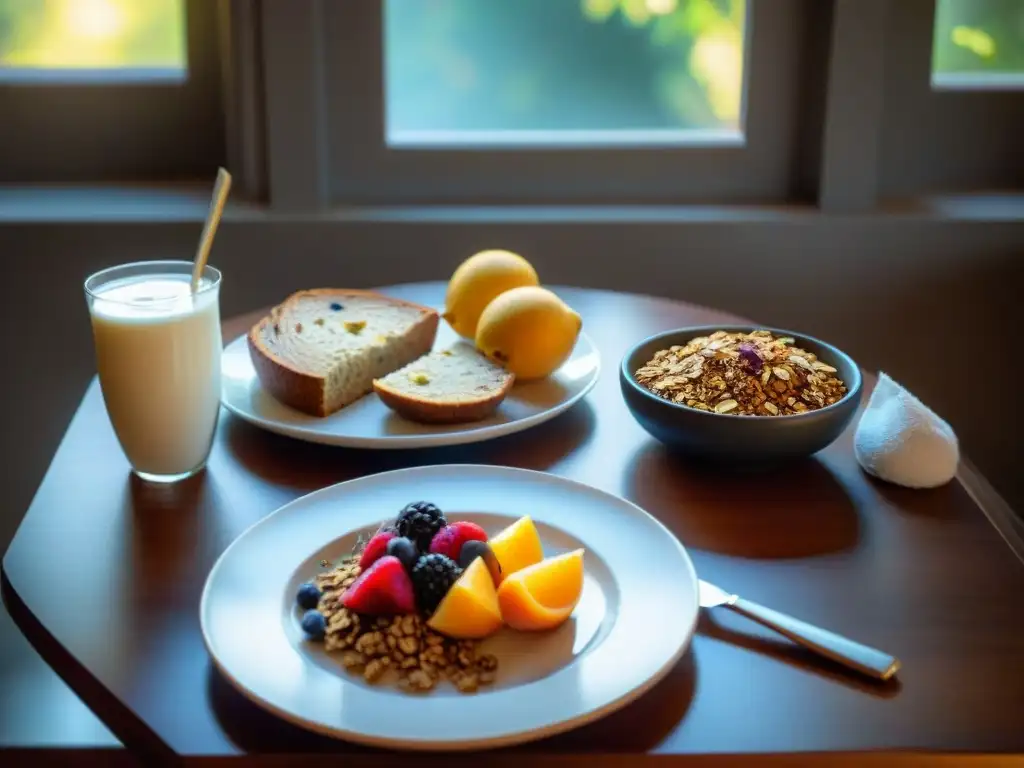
(517, 547)
(543, 595)
(470, 609)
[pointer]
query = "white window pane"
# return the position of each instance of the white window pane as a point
(84, 40)
(563, 71)
(979, 44)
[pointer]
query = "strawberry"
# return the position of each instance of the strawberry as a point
(375, 548)
(449, 540)
(384, 589)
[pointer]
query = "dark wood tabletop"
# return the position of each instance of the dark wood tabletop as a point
(105, 573)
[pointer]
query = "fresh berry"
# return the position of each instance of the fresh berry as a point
(419, 522)
(308, 596)
(471, 550)
(375, 549)
(384, 589)
(404, 550)
(314, 624)
(449, 540)
(432, 577)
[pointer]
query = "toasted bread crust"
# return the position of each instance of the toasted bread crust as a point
(441, 412)
(303, 391)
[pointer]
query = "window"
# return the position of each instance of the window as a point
(575, 101)
(552, 71)
(97, 90)
(92, 40)
(978, 43)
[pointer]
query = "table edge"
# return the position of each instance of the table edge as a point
(108, 708)
(995, 508)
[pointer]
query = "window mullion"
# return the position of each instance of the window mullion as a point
(242, 96)
(854, 101)
(296, 148)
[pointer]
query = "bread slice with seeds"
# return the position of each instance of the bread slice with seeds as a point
(321, 349)
(447, 386)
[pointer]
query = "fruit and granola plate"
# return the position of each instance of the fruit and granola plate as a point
(449, 607)
(422, 592)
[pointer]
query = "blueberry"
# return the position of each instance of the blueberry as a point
(404, 550)
(336, 306)
(314, 624)
(471, 550)
(308, 595)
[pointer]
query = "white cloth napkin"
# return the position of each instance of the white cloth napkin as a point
(900, 440)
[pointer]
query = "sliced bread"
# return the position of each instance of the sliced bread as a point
(452, 385)
(320, 350)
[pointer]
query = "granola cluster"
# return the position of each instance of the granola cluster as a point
(743, 374)
(373, 645)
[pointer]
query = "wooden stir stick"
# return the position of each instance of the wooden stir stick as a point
(220, 196)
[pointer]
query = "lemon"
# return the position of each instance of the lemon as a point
(529, 330)
(477, 281)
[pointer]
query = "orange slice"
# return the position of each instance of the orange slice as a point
(517, 547)
(543, 595)
(470, 609)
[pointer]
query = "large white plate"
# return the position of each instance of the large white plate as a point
(636, 573)
(368, 423)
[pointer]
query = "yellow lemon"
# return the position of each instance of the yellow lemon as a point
(528, 330)
(477, 281)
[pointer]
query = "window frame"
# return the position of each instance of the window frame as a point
(263, 101)
(130, 129)
(364, 170)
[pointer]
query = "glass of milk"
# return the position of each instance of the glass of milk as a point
(158, 351)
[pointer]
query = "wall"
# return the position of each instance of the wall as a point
(934, 304)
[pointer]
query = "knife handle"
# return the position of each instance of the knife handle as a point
(862, 658)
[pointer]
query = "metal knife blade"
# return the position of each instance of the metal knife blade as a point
(710, 595)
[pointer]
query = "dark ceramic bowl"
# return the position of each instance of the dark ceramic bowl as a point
(739, 438)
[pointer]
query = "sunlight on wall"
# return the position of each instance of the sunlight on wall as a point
(70, 34)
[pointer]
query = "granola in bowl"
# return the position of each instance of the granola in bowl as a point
(742, 373)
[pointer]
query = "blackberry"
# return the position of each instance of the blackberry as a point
(418, 522)
(432, 577)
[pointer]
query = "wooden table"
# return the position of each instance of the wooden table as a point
(105, 573)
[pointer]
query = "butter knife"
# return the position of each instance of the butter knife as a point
(863, 658)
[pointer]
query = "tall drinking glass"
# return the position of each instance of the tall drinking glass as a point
(158, 351)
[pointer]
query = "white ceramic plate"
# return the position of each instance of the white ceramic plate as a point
(635, 570)
(368, 423)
